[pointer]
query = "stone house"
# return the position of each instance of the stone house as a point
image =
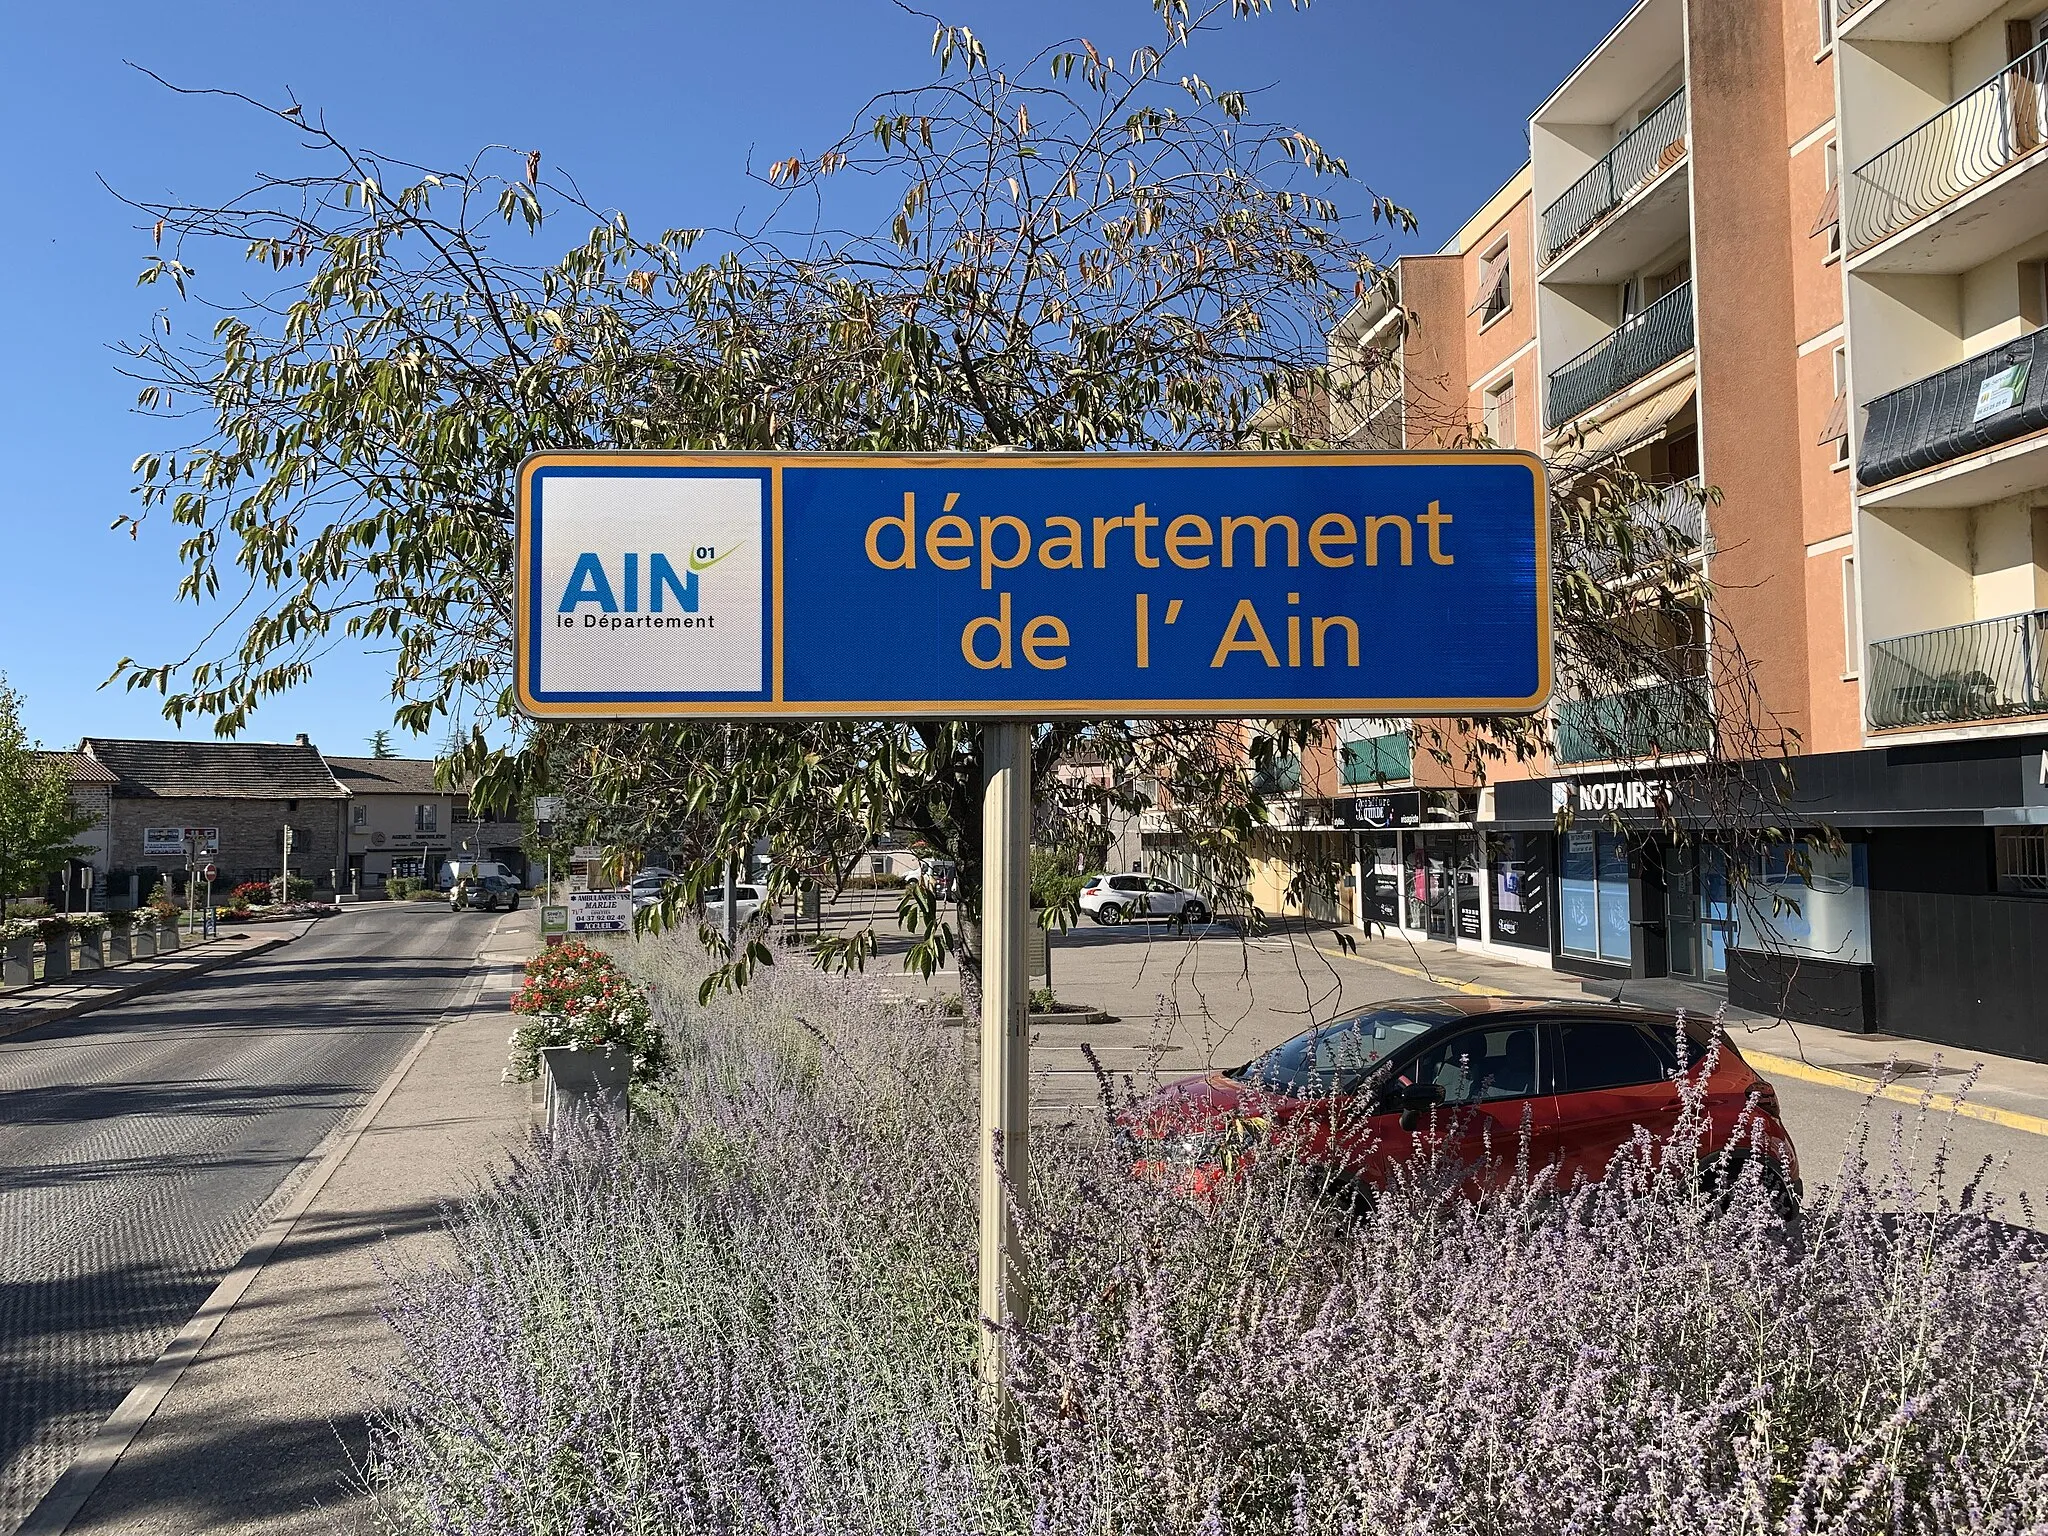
(92, 792)
(246, 792)
(399, 821)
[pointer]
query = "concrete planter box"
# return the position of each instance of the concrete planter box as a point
(18, 961)
(57, 959)
(118, 950)
(574, 1082)
(166, 937)
(142, 940)
(92, 950)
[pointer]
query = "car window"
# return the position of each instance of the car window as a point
(1337, 1058)
(1127, 883)
(1164, 887)
(1607, 1053)
(1476, 1065)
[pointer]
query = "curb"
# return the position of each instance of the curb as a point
(68, 1496)
(1785, 1066)
(143, 988)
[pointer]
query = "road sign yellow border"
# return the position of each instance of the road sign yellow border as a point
(775, 706)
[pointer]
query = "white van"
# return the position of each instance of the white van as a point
(456, 869)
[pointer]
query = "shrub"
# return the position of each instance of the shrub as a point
(251, 893)
(121, 919)
(400, 887)
(29, 908)
(53, 930)
(163, 903)
(577, 996)
(759, 1316)
(426, 893)
(88, 922)
(296, 888)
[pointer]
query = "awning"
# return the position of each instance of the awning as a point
(1837, 422)
(1830, 212)
(1643, 422)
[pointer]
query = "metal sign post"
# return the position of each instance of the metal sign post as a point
(1005, 1033)
(1015, 587)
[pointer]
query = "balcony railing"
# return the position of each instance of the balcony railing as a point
(1844, 9)
(1667, 720)
(1994, 669)
(1640, 345)
(1377, 759)
(1960, 147)
(1651, 147)
(1665, 523)
(1989, 399)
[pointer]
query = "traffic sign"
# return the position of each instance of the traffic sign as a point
(1032, 586)
(211, 872)
(547, 808)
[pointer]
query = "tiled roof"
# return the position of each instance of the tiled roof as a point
(216, 770)
(386, 775)
(82, 769)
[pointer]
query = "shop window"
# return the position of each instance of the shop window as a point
(2022, 861)
(1806, 898)
(1521, 897)
(1594, 886)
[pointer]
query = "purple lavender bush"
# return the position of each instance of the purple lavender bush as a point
(757, 1315)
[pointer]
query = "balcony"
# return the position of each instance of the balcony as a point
(1910, 21)
(1661, 525)
(1667, 720)
(1639, 346)
(1961, 413)
(1377, 759)
(1979, 140)
(1966, 674)
(1651, 148)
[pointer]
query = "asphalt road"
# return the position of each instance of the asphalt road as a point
(142, 1147)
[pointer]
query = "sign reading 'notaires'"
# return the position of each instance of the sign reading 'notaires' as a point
(722, 585)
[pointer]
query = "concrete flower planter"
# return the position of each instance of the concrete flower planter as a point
(18, 961)
(167, 937)
(92, 949)
(57, 958)
(142, 940)
(583, 1082)
(118, 949)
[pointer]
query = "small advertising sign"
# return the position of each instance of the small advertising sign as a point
(600, 912)
(554, 920)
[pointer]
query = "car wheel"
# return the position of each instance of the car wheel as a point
(512, 905)
(1194, 912)
(1720, 1173)
(1109, 914)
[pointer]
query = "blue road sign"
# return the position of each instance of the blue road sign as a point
(1023, 585)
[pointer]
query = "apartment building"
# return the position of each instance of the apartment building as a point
(1795, 251)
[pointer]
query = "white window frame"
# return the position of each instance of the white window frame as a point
(1852, 623)
(1491, 414)
(1495, 264)
(1827, 28)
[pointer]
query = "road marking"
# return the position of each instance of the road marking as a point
(1898, 1093)
(1450, 983)
(1783, 1066)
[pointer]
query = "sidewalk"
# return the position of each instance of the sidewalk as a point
(265, 1429)
(26, 1007)
(2008, 1091)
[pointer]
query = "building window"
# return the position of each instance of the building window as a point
(1827, 25)
(1594, 921)
(426, 818)
(1842, 394)
(2022, 861)
(1496, 285)
(359, 817)
(1852, 624)
(1500, 413)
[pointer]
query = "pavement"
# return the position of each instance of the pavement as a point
(196, 1189)
(26, 1007)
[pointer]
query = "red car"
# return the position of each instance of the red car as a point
(1460, 1073)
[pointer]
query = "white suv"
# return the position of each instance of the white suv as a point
(1109, 899)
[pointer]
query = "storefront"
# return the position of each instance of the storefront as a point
(1518, 866)
(1420, 865)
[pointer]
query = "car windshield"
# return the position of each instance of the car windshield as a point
(1338, 1057)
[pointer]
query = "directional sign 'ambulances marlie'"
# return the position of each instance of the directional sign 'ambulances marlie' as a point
(1032, 586)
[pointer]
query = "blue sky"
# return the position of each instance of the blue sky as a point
(654, 108)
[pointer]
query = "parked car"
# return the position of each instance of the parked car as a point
(749, 902)
(484, 893)
(1112, 899)
(1367, 1091)
(648, 886)
(942, 875)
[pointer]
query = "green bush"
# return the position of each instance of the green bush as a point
(425, 893)
(401, 887)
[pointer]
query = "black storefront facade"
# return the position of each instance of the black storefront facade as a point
(1902, 890)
